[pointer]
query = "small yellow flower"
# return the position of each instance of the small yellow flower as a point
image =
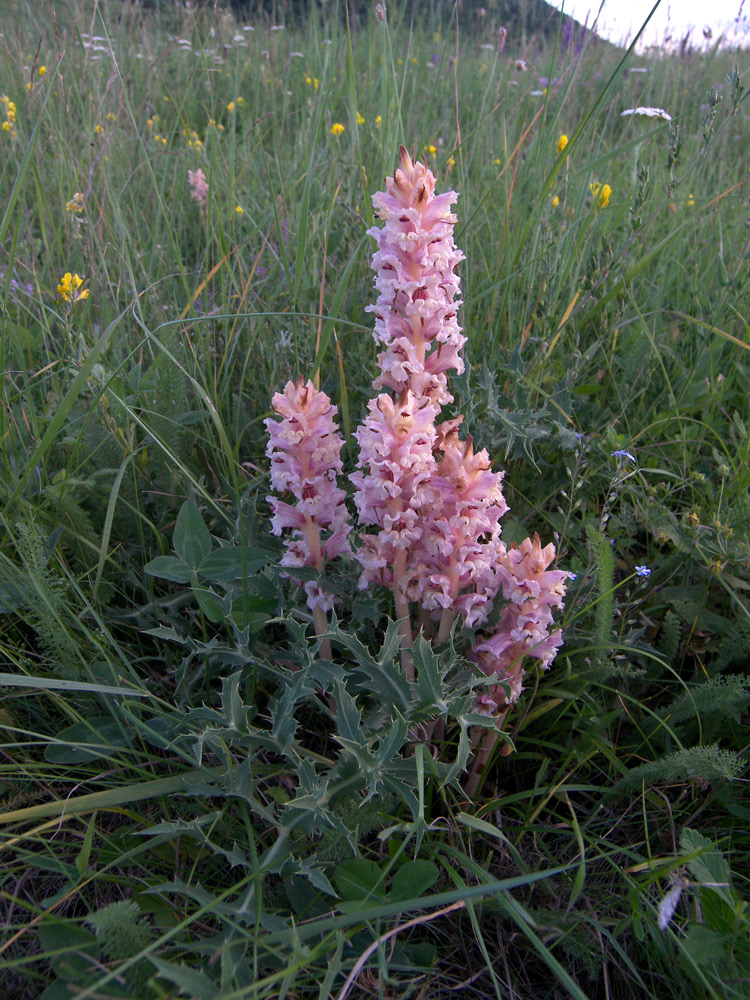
(555, 201)
(98, 129)
(603, 200)
(691, 200)
(378, 121)
(239, 209)
(431, 149)
(451, 163)
(360, 119)
(562, 142)
(29, 85)
(230, 107)
(69, 289)
(595, 187)
(240, 101)
(336, 129)
(5, 126)
(496, 162)
(42, 70)
(111, 116)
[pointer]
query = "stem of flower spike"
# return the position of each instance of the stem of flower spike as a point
(312, 533)
(446, 622)
(481, 758)
(402, 613)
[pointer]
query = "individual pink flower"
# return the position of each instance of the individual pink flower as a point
(304, 449)
(198, 186)
(417, 284)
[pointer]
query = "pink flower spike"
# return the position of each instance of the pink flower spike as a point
(417, 284)
(526, 622)
(304, 452)
(455, 567)
(395, 482)
(198, 186)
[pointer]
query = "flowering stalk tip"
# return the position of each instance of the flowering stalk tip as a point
(304, 451)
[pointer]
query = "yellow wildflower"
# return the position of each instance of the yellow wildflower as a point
(42, 70)
(230, 107)
(603, 199)
(9, 125)
(75, 204)
(691, 200)
(360, 119)
(555, 201)
(111, 116)
(239, 209)
(595, 187)
(69, 289)
(562, 142)
(240, 101)
(432, 149)
(98, 129)
(336, 129)
(379, 121)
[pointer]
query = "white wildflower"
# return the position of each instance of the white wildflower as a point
(648, 113)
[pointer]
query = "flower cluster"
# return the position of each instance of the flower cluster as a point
(198, 186)
(600, 193)
(75, 205)
(417, 284)
(304, 449)
(429, 505)
(532, 591)
(9, 109)
(70, 290)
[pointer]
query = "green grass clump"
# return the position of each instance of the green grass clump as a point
(183, 811)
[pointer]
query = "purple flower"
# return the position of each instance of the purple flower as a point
(643, 571)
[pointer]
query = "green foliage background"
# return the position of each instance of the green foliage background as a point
(183, 813)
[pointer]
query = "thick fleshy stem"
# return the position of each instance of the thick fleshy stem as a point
(403, 616)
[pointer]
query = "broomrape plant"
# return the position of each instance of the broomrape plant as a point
(429, 507)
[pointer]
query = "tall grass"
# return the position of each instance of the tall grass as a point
(142, 855)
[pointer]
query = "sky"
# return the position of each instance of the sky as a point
(620, 18)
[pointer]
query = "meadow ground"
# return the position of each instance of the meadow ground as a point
(199, 796)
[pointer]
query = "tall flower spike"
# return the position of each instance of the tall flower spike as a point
(417, 284)
(304, 449)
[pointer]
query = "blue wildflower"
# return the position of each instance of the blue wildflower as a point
(643, 571)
